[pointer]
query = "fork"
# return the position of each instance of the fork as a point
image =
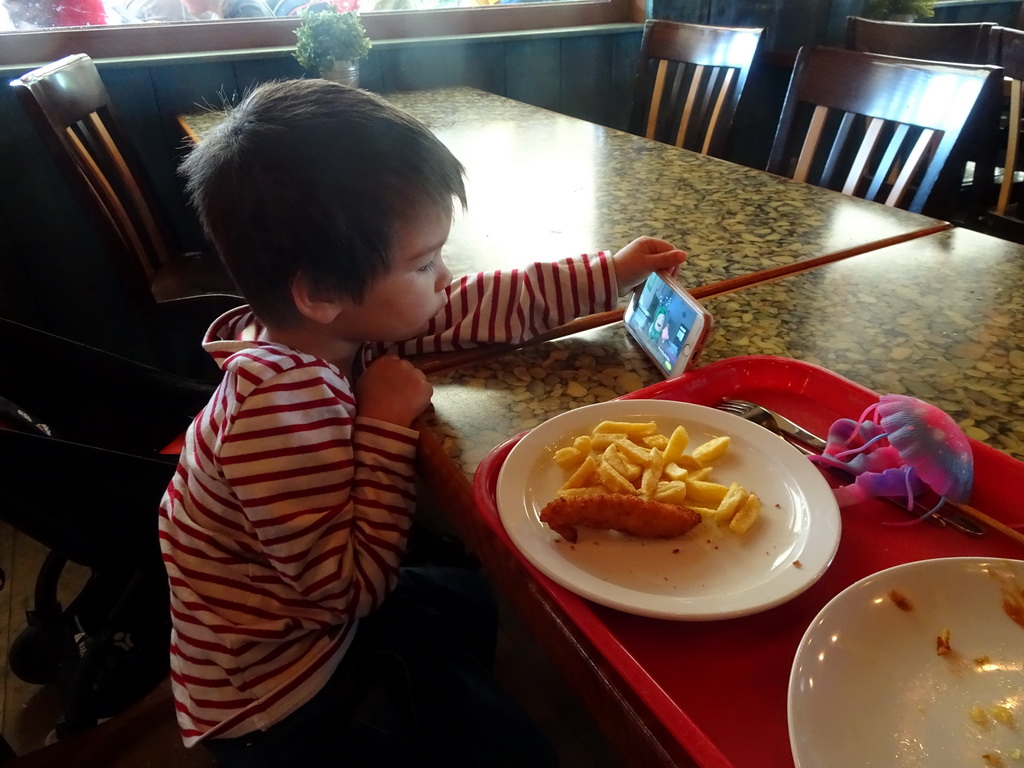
(810, 444)
(774, 422)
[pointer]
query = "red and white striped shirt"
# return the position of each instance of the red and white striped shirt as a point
(287, 516)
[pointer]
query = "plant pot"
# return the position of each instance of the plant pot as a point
(344, 72)
(905, 17)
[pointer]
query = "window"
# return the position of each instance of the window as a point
(51, 30)
(43, 14)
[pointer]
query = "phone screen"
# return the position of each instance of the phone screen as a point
(661, 320)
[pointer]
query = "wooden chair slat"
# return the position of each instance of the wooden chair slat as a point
(810, 146)
(659, 87)
(889, 166)
(1012, 144)
(691, 97)
(860, 162)
(716, 113)
(114, 209)
(911, 164)
(834, 161)
(157, 248)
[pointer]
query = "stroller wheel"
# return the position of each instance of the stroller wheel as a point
(34, 656)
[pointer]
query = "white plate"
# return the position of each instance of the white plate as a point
(710, 573)
(868, 688)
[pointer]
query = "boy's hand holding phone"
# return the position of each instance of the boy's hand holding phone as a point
(392, 389)
(642, 257)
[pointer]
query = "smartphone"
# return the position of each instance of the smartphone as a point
(668, 323)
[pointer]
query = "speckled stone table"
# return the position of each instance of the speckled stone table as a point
(543, 186)
(940, 318)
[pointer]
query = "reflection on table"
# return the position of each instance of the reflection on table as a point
(544, 186)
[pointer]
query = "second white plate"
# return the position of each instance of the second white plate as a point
(868, 688)
(707, 574)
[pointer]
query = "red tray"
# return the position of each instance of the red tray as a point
(720, 687)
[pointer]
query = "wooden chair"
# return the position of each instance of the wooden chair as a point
(1005, 218)
(72, 112)
(689, 82)
(883, 128)
(964, 43)
(968, 43)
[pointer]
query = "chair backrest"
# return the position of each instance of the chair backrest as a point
(71, 110)
(966, 43)
(884, 128)
(1008, 53)
(689, 81)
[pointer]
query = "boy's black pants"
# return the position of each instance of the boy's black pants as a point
(428, 700)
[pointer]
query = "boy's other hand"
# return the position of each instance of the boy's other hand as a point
(393, 390)
(644, 255)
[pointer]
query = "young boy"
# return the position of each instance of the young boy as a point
(286, 521)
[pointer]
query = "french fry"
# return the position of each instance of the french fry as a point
(688, 463)
(734, 498)
(674, 471)
(700, 473)
(638, 429)
(746, 515)
(676, 445)
(582, 475)
(632, 451)
(569, 458)
(613, 458)
(601, 440)
(652, 474)
(655, 441)
(613, 481)
(670, 492)
(582, 444)
(711, 451)
(705, 493)
(706, 513)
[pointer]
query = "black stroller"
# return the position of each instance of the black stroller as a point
(81, 432)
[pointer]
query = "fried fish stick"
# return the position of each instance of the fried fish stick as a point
(628, 514)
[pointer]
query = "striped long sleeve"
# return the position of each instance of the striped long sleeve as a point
(516, 305)
(287, 516)
(284, 524)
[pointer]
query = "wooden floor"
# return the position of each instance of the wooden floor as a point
(146, 737)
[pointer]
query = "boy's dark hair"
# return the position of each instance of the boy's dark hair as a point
(311, 177)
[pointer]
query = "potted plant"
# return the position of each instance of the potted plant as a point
(330, 44)
(900, 10)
